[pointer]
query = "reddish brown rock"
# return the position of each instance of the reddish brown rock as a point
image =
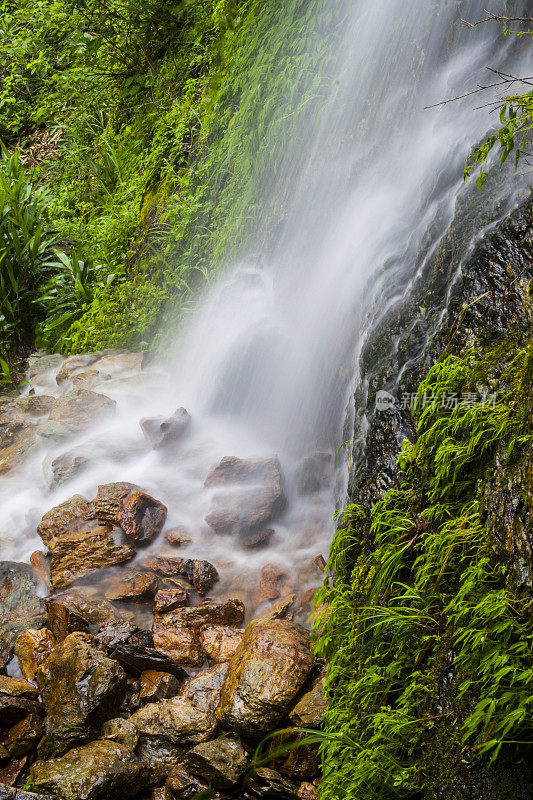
(257, 539)
(32, 648)
(37, 405)
(118, 364)
(169, 599)
(274, 582)
(60, 469)
(108, 497)
(41, 566)
(24, 736)
(248, 494)
(18, 698)
(178, 537)
(141, 517)
(307, 791)
(200, 573)
(89, 379)
(139, 587)
(265, 676)
(72, 611)
(157, 686)
(220, 642)
(203, 689)
(13, 774)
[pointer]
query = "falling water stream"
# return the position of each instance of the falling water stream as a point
(268, 362)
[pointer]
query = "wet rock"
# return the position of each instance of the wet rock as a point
(100, 770)
(14, 454)
(118, 364)
(24, 736)
(309, 711)
(256, 540)
(307, 791)
(279, 610)
(203, 690)
(302, 761)
(269, 783)
(73, 366)
(9, 793)
(248, 494)
(178, 537)
(169, 599)
(80, 546)
(265, 676)
(158, 686)
(201, 574)
(60, 469)
(139, 587)
(20, 605)
(220, 643)
(314, 473)
(161, 793)
(72, 611)
(274, 582)
(76, 411)
(141, 517)
(166, 727)
(32, 648)
(40, 364)
(178, 633)
(221, 763)
(18, 698)
(134, 650)
(41, 566)
(80, 688)
(14, 772)
(108, 497)
(37, 405)
(121, 731)
(89, 379)
(183, 785)
(161, 432)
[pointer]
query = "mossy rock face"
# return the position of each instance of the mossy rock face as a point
(427, 631)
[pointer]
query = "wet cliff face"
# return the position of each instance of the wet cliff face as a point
(428, 630)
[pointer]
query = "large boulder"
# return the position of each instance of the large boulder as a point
(265, 676)
(75, 412)
(17, 435)
(247, 494)
(178, 633)
(221, 763)
(20, 605)
(73, 366)
(100, 770)
(10, 793)
(80, 688)
(78, 544)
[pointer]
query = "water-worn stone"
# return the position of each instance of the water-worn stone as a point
(165, 728)
(60, 469)
(134, 651)
(141, 517)
(220, 642)
(255, 540)
(183, 785)
(314, 473)
(37, 405)
(10, 793)
(302, 759)
(309, 711)
(100, 770)
(80, 688)
(73, 611)
(138, 587)
(158, 686)
(40, 563)
(200, 573)
(265, 675)
(73, 366)
(18, 698)
(122, 731)
(161, 432)
(14, 772)
(32, 648)
(40, 363)
(221, 763)
(269, 783)
(178, 633)
(248, 494)
(117, 364)
(203, 690)
(108, 497)
(274, 582)
(23, 736)
(20, 605)
(169, 599)
(178, 536)
(80, 545)
(76, 411)
(17, 452)
(307, 791)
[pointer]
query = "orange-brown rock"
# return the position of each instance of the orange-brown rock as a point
(138, 587)
(141, 517)
(203, 689)
(41, 566)
(24, 736)
(200, 573)
(157, 686)
(220, 642)
(169, 599)
(73, 611)
(274, 582)
(108, 499)
(32, 648)
(307, 791)
(178, 536)
(18, 698)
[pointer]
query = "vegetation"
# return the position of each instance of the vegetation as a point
(427, 628)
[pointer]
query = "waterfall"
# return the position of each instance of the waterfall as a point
(267, 363)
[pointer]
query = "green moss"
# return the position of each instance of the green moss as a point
(427, 629)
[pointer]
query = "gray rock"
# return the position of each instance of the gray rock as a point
(20, 605)
(221, 763)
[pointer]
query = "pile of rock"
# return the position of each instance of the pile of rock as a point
(109, 707)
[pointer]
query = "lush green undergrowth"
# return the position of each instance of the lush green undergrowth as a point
(156, 128)
(427, 628)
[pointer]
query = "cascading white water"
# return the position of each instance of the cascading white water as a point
(266, 364)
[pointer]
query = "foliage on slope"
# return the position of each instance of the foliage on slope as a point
(428, 627)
